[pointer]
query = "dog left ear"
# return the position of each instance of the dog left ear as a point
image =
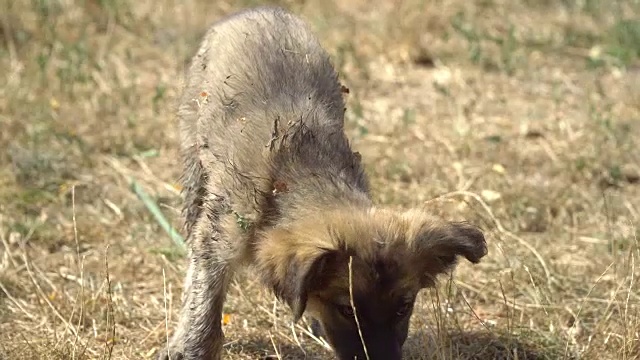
(438, 245)
(293, 266)
(303, 276)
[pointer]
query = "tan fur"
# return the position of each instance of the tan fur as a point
(270, 181)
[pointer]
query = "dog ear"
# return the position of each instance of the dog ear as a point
(303, 276)
(293, 267)
(438, 245)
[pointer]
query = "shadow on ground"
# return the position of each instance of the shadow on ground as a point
(479, 346)
(419, 346)
(263, 349)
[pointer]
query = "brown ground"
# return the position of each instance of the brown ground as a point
(521, 115)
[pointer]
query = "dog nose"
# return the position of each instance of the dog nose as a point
(380, 351)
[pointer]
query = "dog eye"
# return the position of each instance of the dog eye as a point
(403, 309)
(346, 310)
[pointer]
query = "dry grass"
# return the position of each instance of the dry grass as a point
(525, 114)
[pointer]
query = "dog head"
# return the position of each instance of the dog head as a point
(358, 272)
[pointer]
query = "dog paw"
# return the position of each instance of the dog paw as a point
(170, 354)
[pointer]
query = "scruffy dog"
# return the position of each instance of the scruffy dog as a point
(270, 181)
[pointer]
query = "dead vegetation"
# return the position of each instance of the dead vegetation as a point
(523, 115)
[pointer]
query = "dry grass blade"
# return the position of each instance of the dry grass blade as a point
(166, 311)
(275, 348)
(80, 264)
(353, 307)
(42, 295)
(16, 302)
(110, 338)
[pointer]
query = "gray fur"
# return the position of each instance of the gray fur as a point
(262, 106)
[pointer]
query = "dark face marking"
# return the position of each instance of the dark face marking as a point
(383, 310)
(384, 333)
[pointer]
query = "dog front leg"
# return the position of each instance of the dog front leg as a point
(199, 334)
(204, 337)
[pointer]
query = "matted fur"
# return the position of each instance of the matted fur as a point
(270, 180)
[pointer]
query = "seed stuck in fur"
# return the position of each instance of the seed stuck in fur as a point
(279, 187)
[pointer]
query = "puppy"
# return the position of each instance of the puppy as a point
(270, 181)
